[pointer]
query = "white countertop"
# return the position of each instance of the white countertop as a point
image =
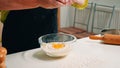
(86, 53)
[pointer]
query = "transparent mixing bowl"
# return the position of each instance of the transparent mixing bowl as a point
(57, 44)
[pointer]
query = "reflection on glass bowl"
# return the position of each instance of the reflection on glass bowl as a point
(57, 44)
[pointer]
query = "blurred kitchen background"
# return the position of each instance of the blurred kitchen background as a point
(100, 14)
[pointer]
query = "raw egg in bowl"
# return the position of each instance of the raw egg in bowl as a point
(57, 44)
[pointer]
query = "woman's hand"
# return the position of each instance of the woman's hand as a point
(50, 4)
(27, 4)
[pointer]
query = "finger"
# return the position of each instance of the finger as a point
(56, 5)
(63, 1)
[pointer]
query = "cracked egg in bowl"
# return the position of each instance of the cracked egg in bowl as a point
(57, 44)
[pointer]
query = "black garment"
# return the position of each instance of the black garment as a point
(22, 28)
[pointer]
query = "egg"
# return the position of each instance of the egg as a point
(57, 45)
(56, 49)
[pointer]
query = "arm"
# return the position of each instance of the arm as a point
(18, 4)
(27, 4)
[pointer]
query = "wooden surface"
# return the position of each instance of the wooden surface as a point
(1, 28)
(79, 33)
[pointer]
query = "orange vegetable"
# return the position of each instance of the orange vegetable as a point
(2, 57)
(2, 65)
(3, 52)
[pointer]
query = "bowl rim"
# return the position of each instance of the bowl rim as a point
(74, 37)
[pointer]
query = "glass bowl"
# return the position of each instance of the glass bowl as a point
(57, 44)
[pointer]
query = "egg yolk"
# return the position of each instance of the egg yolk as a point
(58, 45)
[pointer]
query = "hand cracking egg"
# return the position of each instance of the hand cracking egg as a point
(56, 49)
